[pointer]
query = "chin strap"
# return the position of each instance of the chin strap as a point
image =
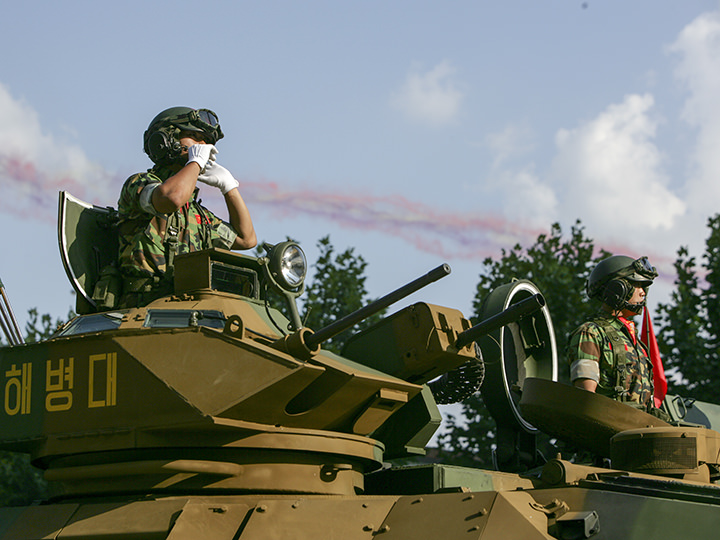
(635, 308)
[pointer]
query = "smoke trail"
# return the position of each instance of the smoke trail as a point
(31, 192)
(450, 234)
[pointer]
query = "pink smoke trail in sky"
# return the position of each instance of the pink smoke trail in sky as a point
(450, 234)
(31, 192)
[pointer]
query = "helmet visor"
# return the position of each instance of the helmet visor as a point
(202, 121)
(640, 272)
(643, 267)
(207, 118)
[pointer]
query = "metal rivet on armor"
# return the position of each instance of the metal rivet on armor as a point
(261, 508)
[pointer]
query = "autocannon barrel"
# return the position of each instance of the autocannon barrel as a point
(333, 329)
(511, 314)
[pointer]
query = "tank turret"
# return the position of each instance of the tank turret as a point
(210, 383)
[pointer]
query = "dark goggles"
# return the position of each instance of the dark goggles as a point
(204, 117)
(200, 120)
(640, 273)
(643, 267)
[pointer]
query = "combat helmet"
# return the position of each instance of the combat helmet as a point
(614, 279)
(161, 140)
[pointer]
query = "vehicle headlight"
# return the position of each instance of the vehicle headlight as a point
(288, 265)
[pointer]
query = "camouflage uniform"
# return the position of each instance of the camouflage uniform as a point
(149, 242)
(608, 352)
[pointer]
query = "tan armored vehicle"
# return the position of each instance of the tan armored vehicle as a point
(212, 413)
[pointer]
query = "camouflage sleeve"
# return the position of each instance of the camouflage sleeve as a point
(135, 195)
(584, 352)
(223, 235)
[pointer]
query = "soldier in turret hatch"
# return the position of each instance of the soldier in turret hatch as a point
(160, 215)
(605, 354)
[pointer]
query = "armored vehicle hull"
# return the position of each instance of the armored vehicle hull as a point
(212, 413)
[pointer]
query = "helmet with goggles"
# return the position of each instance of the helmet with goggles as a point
(161, 140)
(613, 281)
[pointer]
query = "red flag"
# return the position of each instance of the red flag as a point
(647, 336)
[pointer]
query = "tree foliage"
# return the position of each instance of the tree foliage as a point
(337, 289)
(20, 482)
(559, 268)
(689, 324)
(39, 327)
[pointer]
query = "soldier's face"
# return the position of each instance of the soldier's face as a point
(637, 297)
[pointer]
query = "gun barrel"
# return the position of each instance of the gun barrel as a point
(333, 329)
(512, 313)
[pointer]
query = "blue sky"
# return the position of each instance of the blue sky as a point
(416, 132)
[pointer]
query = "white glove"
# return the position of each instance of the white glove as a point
(201, 154)
(218, 176)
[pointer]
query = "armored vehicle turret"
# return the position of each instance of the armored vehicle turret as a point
(214, 413)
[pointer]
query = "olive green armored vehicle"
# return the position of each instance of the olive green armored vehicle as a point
(213, 413)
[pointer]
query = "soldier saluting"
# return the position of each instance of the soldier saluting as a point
(159, 212)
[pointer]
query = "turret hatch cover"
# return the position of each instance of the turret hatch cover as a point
(88, 242)
(583, 418)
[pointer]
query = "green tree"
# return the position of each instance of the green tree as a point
(689, 324)
(20, 482)
(337, 288)
(559, 268)
(40, 327)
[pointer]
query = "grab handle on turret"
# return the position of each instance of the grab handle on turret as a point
(333, 329)
(512, 313)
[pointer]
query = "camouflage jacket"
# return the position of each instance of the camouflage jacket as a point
(149, 241)
(606, 351)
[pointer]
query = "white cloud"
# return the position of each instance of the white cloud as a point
(20, 132)
(699, 70)
(34, 165)
(509, 143)
(432, 97)
(609, 172)
(526, 199)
